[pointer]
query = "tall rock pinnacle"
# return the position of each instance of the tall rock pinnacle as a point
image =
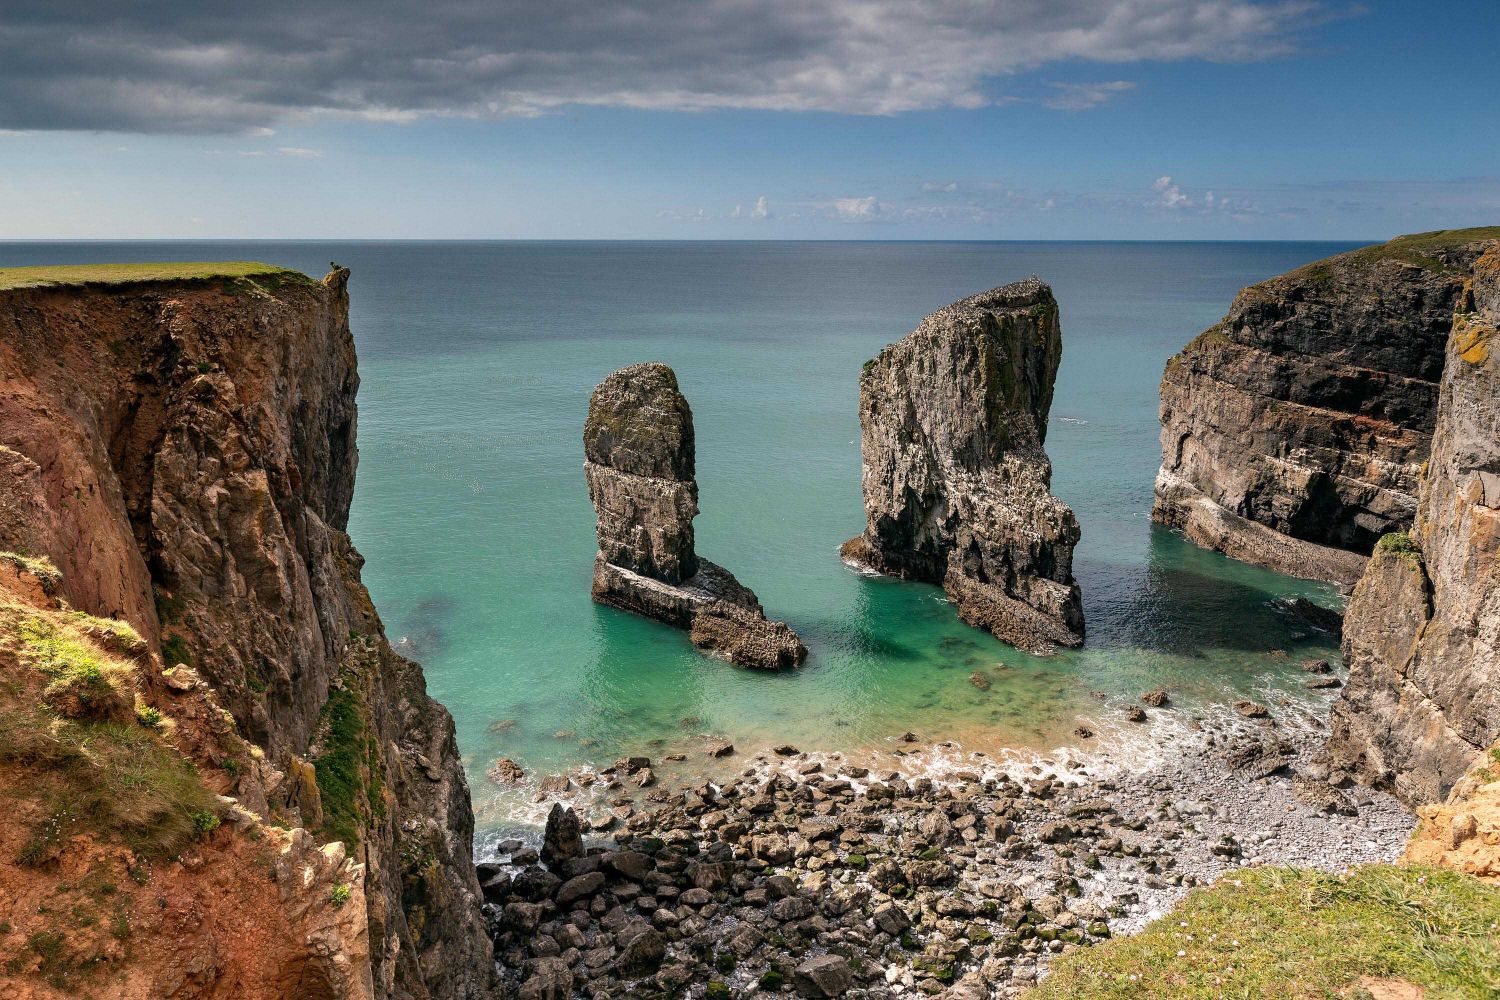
(956, 482)
(639, 461)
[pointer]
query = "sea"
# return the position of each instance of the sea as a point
(477, 360)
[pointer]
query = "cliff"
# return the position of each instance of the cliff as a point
(1463, 832)
(1422, 635)
(1293, 430)
(956, 482)
(179, 457)
(639, 460)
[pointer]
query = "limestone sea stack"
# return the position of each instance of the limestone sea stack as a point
(956, 483)
(639, 459)
(1294, 428)
(1422, 636)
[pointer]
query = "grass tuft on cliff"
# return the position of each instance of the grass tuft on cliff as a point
(1399, 543)
(38, 566)
(118, 780)
(127, 274)
(346, 764)
(82, 758)
(1268, 933)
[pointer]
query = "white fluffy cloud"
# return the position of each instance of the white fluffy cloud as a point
(1169, 195)
(867, 209)
(179, 66)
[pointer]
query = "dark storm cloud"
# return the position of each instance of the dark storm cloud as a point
(205, 66)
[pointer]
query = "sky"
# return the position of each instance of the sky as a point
(748, 119)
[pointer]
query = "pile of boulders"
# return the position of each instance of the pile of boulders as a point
(814, 877)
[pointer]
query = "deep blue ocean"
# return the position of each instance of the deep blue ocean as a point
(477, 362)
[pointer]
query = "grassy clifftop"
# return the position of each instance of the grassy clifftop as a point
(127, 274)
(1281, 932)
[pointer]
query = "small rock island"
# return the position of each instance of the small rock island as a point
(639, 460)
(956, 483)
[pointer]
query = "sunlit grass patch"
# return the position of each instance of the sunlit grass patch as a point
(1284, 932)
(124, 274)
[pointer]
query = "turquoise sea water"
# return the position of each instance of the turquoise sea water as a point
(478, 360)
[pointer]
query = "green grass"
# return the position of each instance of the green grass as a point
(115, 779)
(346, 768)
(39, 567)
(83, 679)
(1281, 932)
(125, 274)
(1417, 249)
(1399, 543)
(174, 650)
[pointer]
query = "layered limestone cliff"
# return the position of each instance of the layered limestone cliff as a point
(956, 482)
(179, 442)
(639, 461)
(1422, 636)
(1293, 430)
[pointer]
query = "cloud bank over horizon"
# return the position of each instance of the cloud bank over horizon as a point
(169, 66)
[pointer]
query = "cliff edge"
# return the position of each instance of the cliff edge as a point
(956, 482)
(177, 457)
(1294, 428)
(1422, 635)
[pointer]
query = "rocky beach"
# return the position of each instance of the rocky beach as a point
(919, 870)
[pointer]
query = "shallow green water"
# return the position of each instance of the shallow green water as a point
(478, 360)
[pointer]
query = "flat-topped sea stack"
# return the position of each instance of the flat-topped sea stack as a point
(639, 460)
(956, 483)
(1422, 636)
(1293, 430)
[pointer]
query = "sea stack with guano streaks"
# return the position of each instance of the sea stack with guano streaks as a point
(957, 485)
(639, 459)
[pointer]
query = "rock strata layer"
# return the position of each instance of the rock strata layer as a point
(956, 481)
(183, 450)
(1422, 634)
(1293, 430)
(639, 460)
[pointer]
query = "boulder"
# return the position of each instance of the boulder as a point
(563, 837)
(824, 976)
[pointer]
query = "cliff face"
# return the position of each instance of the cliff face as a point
(1422, 636)
(956, 482)
(1293, 430)
(183, 451)
(639, 458)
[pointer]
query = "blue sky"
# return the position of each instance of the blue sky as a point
(1136, 119)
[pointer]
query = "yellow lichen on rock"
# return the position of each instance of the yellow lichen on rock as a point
(1463, 832)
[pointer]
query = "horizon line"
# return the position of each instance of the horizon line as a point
(9, 240)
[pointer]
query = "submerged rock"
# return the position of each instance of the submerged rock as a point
(1294, 429)
(956, 482)
(1422, 634)
(639, 461)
